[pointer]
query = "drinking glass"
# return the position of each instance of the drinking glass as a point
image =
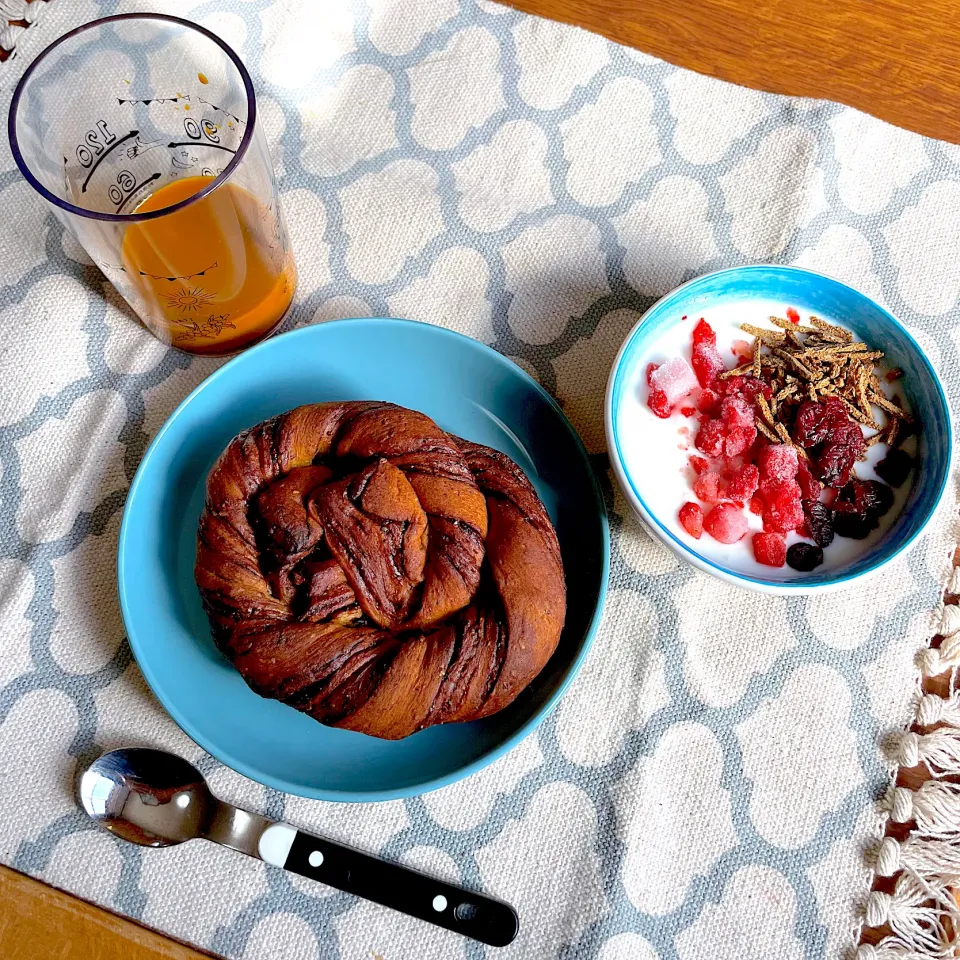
(140, 131)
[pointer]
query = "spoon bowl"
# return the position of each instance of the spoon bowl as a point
(149, 797)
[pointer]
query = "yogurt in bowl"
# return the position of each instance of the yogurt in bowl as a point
(657, 461)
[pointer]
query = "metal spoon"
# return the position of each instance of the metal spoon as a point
(157, 799)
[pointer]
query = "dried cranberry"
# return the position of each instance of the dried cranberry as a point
(815, 422)
(820, 523)
(859, 507)
(804, 557)
(840, 452)
(895, 467)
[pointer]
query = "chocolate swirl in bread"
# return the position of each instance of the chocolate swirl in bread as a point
(363, 566)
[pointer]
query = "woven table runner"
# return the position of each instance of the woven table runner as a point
(714, 784)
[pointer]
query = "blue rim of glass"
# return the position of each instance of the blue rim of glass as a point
(614, 392)
(152, 214)
(511, 741)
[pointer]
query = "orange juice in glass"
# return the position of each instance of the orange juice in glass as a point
(163, 175)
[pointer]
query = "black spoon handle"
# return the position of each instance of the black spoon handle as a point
(471, 914)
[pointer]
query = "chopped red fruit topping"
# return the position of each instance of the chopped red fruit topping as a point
(710, 438)
(726, 523)
(688, 411)
(742, 351)
(707, 363)
(816, 421)
(737, 412)
(810, 486)
(739, 440)
(756, 505)
(709, 401)
(840, 452)
(778, 462)
(783, 509)
(700, 464)
(675, 378)
(792, 315)
(691, 519)
(709, 487)
(743, 484)
(770, 549)
(703, 333)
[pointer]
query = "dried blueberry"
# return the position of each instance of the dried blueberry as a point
(895, 467)
(804, 557)
(856, 526)
(820, 522)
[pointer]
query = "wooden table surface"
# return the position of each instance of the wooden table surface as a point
(896, 59)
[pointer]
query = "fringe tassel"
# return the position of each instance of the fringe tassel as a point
(916, 912)
(938, 751)
(933, 709)
(934, 662)
(924, 856)
(892, 948)
(934, 807)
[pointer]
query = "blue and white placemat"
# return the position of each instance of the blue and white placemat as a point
(708, 787)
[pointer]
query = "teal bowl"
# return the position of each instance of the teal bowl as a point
(817, 294)
(470, 390)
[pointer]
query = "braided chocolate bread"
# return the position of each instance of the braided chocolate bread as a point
(363, 566)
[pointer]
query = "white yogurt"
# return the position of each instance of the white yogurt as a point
(656, 452)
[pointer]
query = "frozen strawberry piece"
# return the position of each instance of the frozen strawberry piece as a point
(737, 412)
(710, 437)
(726, 523)
(770, 549)
(656, 399)
(675, 379)
(700, 464)
(810, 486)
(743, 484)
(703, 333)
(738, 440)
(688, 411)
(756, 505)
(691, 519)
(707, 363)
(783, 509)
(709, 401)
(709, 488)
(779, 461)
(792, 315)
(747, 387)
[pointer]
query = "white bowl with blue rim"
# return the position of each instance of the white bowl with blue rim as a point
(809, 293)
